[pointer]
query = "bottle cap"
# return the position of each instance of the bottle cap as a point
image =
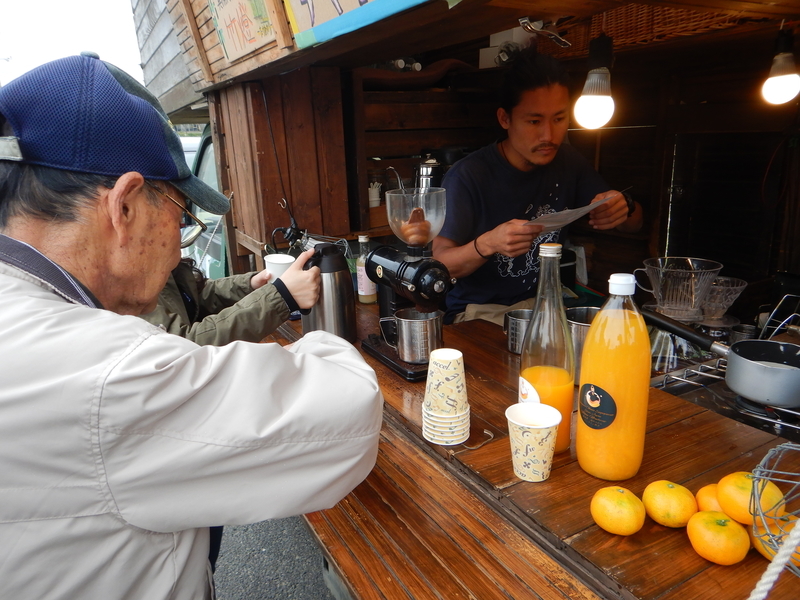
(550, 249)
(622, 284)
(363, 238)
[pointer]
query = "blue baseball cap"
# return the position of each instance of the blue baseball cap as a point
(82, 114)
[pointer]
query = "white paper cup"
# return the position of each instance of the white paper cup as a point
(446, 387)
(374, 197)
(277, 264)
(532, 429)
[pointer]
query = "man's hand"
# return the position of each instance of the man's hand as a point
(612, 213)
(302, 285)
(511, 238)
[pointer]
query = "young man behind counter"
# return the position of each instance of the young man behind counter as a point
(122, 444)
(487, 241)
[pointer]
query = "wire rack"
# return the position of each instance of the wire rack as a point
(780, 466)
(786, 315)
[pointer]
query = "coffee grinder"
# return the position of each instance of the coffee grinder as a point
(411, 278)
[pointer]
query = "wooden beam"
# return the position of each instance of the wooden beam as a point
(252, 244)
(185, 6)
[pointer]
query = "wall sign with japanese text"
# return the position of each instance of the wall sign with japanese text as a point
(242, 25)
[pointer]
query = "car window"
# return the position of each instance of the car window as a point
(209, 251)
(190, 146)
(207, 167)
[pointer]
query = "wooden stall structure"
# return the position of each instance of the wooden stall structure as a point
(307, 124)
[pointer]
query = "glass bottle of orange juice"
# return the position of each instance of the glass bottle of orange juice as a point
(614, 386)
(547, 362)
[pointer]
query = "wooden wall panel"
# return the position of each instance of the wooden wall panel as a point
(271, 155)
(238, 256)
(298, 115)
(283, 138)
(241, 163)
(326, 93)
(399, 126)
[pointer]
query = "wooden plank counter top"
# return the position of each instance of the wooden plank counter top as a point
(429, 508)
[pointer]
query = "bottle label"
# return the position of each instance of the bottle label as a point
(527, 393)
(366, 287)
(597, 407)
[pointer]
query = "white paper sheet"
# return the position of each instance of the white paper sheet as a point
(557, 220)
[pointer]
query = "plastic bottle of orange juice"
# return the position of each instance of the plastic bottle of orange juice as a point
(547, 363)
(614, 386)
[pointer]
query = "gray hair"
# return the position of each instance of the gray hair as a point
(47, 193)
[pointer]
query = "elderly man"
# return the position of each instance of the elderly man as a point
(121, 444)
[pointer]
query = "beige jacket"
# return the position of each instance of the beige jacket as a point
(120, 444)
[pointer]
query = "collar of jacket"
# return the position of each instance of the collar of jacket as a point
(29, 259)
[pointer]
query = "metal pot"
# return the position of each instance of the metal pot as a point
(764, 371)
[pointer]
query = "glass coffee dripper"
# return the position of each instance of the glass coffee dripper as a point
(680, 285)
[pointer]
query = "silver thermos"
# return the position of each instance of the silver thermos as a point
(335, 311)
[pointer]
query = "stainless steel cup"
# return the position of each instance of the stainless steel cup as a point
(579, 319)
(742, 332)
(417, 334)
(515, 324)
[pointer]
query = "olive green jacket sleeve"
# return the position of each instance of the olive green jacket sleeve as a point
(237, 311)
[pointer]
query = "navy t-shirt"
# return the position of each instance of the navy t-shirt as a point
(483, 191)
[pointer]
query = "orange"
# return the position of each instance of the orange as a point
(717, 537)
(780, 526)
(733, 494)
(707, 498)
(669, 504)
(617, 510)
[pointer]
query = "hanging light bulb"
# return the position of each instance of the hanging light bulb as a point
(783, 83)
(596, 106)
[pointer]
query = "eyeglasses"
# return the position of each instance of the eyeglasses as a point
(189, 233)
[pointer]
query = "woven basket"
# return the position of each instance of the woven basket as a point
(639, 24)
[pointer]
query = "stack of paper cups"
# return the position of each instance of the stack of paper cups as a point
(445, 409)
(374, 197)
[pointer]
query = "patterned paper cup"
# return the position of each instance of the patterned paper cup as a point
(532, 429)
(445, 440)
(446, 388)
(436, 419)
(446, 429)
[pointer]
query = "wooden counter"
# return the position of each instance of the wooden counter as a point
(449, 522)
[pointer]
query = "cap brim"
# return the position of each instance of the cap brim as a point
(203, 195)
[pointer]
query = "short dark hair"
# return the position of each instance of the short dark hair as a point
(530, 70)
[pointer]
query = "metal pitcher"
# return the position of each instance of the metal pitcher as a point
(335, 311)
(418, 333)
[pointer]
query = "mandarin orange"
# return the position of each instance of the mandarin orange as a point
(717, 537)
(617, 510)
(734, 491)
(669, 504)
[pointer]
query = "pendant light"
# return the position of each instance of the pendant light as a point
(783, 83)
(596, 106)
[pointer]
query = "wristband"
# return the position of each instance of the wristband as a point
(629, 201)
(475, 243)
(291, 303)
